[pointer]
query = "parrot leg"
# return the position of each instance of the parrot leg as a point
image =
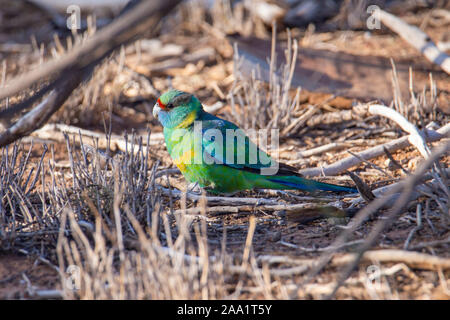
(194, 187)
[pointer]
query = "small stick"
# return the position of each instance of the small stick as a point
(395, 163)
(347, 244)
(430, 244)
(289, 272)
(198, 210)
(41, 259)
(363, 189)
(373, 165)
(300, 120)
(412, 259)
(321, 149)
(417, 228)
(48, 294)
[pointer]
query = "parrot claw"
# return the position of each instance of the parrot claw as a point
(194, 187)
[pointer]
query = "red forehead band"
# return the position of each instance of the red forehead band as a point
(162, 105)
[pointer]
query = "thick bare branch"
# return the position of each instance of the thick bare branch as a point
(124, 29)
(417, 38)
(42, 112)
(78, 64)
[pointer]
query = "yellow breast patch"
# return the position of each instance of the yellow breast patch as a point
(185, 159)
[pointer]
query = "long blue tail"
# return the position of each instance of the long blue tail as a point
(300, 183)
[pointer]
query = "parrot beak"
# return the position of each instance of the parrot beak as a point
(156, 110)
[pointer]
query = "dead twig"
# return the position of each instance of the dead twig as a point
(363, 188)
(412, 259)
(430, 244)
(417, 228)
(321, 149)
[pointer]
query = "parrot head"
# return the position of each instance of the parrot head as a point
(176, 109)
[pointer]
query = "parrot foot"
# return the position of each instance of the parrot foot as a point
(194, 188)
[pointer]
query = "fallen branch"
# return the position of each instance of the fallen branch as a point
(321, 249)
(293, 208)
(300, 120)
(407, 185)
(48, 294)
(55, 132)
(229, 201)
(416, 38)
(412, 259)
(400, 143)
(415, 137)
(243, 204)
(289, 272)
(200, 210)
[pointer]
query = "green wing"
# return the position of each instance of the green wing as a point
(238, 150)
(224, 143)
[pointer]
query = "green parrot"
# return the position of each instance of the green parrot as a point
(220, 157)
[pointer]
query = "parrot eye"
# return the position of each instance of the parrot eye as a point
(169, 106)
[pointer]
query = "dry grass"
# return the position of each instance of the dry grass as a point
(261, 106)
(105, 216)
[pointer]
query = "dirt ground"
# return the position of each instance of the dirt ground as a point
(119, 95)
